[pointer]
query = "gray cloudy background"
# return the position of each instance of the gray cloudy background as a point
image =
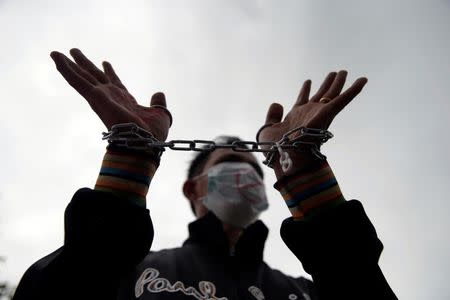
(221, 64)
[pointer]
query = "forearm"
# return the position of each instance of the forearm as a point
(340, 249)
(332, 237)
(112, 218)
(114, 212)
(105, 237)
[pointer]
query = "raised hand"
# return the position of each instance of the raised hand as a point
(315, 112)
(109, 98)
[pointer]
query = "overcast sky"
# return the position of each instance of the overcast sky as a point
(221, 64)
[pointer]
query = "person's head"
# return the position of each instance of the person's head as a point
(195, 187)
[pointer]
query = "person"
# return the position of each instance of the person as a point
(108, 230)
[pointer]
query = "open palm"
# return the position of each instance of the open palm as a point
(315, 112)
(109, 98)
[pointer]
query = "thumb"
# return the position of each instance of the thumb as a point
(274, 114)
(158, 99)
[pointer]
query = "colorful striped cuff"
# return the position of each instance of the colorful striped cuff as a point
(307, 193)
(126, 175)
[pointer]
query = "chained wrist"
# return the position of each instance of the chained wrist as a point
(132, 139)
(298, 140)
(301, 161)
(152, 155)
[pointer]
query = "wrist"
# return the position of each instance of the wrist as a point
(132, 139)
(147, 154)
(127, 174)
(301, 162)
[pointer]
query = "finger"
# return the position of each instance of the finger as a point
(78, 82)
(303, 96)
(80, 70)
(112, 76)
(87, 65)
(338, 83)
(347, 96)
(324, 87)
(158, 99)
(274, 114)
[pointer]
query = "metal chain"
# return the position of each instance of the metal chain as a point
(289, 142)
(130, 135)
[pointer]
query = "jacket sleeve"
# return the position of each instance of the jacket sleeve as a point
(340, 249)
(105, 237)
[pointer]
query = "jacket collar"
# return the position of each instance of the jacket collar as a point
(208, 231)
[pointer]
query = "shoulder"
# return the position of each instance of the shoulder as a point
(42, 271)
(45, 263)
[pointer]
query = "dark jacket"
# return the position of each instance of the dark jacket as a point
(106, 237)
(205, 268)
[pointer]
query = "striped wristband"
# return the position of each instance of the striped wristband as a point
(127, 175)
(308, 193)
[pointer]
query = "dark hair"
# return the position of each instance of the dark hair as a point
(200, 158)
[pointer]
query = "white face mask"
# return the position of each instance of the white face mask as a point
(236, 193)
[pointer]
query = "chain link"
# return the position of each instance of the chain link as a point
(130, 135)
